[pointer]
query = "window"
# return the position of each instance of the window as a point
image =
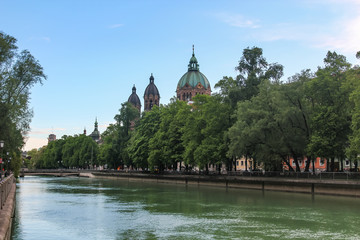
(293, 163)
(242, 163)
(322, 162)
(347, 163)
(237, 163)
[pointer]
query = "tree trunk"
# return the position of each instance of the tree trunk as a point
(297, 163)
(287, 161)
(327, 165)
(356, 165)
(308, 164)
(332, 165)
(313, 162)
(234, 159)
(341, 165)
(246, 160)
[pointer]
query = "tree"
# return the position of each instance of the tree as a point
(331, 118)
(166, 145)
(18, 73)
(353, 84)
(253, 69)
(138, 147)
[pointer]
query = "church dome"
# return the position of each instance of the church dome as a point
(193, 82)
(193, 76)
(151, 95)
(134, 98)
(151, 89)
(192, 79)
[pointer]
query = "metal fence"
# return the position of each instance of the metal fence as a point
(293, 175)
(5, 187)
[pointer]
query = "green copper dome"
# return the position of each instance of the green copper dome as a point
(193, 76)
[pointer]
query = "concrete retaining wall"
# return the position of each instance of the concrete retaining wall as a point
(8, 208)
(310, 186)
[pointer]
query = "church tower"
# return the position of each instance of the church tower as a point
(151, 95)
(193, 82)
(95, 135)
(134, 99)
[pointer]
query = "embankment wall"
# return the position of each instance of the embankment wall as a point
(310, 186)
(7, 209)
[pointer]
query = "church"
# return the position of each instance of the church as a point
(192, 83)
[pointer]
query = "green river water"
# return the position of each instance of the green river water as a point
(81, 208)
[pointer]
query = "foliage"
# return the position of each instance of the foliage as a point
(77, 151)
(254, 116)
(19, 72)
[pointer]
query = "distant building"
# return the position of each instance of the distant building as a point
(95, 135)
(151, 95)
(320, 164)
(134, 99)
(52, 137)
(193, 82)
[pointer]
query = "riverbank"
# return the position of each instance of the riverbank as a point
(309, 186)
(7, 208)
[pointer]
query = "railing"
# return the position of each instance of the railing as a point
(5, 188)
(302, 175)
(292, 175)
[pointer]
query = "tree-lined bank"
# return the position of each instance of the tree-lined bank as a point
(255, 115)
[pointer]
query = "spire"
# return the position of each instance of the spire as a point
(193, 64)
(151, 78)
(96, 124)
(134, 89)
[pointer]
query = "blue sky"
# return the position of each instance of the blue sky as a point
(94, 51)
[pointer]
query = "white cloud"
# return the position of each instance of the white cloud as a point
(346, 39)
(116, 25)
(237, 20)
(32, 143)
(45, 131)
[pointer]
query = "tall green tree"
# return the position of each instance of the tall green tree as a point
(253, 69)
(138, 147)
(19, 71)
(166, 145)
(331, 118)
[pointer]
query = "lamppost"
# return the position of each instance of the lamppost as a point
(9, 166)
(2, 149)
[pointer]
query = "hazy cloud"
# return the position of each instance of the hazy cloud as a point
(45, 131)
(32, 143)
(237, 20)
(46, 39)
(346, 39)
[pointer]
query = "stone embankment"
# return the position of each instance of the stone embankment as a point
(7, 209)
(342, 184)
(340, 187)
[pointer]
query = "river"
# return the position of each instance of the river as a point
(84, 208)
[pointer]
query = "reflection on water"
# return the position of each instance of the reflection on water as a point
(80, 208)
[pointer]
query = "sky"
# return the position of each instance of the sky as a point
(94, 51)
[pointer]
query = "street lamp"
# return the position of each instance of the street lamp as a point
(9, 161)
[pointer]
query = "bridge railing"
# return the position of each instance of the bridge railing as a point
(5, 187)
